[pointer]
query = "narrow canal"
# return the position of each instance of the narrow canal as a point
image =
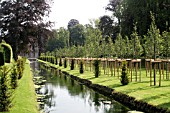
(64, 95)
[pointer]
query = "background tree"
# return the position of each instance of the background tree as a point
(19, 18)
(92, 42)
(120, 46)
(72, 23)
(166, 44)
(106, 26)
(153, 41)
(136, 46)
(128, 48)
(77, 36)
(59, 39)
(131, 11)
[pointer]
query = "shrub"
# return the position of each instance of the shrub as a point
(7, 54)
(14, 77)
(65, 63)
(2, 61)
(5, 93)
(97, 68)
(81, 67)
(72, 64)
(56, 61)
(60, 62)
(124, 77)
(20, 67)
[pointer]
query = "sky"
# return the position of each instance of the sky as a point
(82, 10)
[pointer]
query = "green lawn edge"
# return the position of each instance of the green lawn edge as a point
(24, 97)
(154, 95)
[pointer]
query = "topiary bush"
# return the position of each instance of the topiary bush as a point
(20, 67)
(2, 61)
(65, 63)
(96, 65)
(5, 92)
(72, 64)
(56, 61)
(60, 62)
(14, 77)
(81, 67)
(124, 77)
(8, 54)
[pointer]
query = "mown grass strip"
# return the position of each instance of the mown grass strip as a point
(155, 95)
(24, 100)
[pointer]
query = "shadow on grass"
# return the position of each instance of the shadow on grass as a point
(165, 105)
(135, 89)
(155, 97)
(115, 86)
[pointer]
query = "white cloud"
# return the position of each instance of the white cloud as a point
(82, 10)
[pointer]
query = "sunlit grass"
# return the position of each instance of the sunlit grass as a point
(141, 90)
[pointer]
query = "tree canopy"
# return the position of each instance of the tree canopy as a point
(22, 22)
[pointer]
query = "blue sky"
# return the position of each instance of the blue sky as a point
(82, 10)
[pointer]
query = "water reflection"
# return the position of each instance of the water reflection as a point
(64, 95)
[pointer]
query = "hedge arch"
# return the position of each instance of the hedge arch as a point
(8, 53)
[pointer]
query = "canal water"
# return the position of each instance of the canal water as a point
(64, 95)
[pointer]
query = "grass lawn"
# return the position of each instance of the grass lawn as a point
(155, 95)
(24, 100)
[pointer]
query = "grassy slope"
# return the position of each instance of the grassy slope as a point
(154, 95)
(24, 96)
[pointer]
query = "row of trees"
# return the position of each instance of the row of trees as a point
(152, 45)
(138, 11)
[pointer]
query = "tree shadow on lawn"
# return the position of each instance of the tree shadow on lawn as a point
(115, 86)
(155, 97)
(165, 105)
(134, 89)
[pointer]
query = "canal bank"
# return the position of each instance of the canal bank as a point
(129, 101)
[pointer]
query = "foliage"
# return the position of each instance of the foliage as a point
(131, 11)
(96, 65)
(2, 60)
(153, 40)
(128, 48)
(56, 60)
(22, 23)
(106, 26)
(65, 62)
(5, 93)
(166, 44)
(72, 23)
(20, 67)
(77, 35)
(120, 47)
(72, 64)
(124, 76)
(8, 53)
(59, 39)
(60, 62)
(136, 46)
(14, 77)
(92, 43)
(81, 67)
